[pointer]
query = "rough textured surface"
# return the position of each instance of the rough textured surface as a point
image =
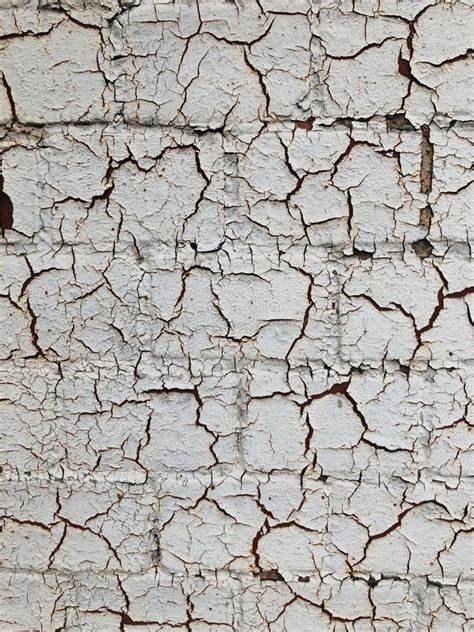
(236, 350)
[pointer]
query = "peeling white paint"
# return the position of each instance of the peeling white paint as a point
(236, 314)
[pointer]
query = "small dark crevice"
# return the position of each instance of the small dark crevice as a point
(362, 254)
(6, 208)
(404, 67)
(156, 550)
(423, 248)
(271, 574)
(399, 122)
(426, 168)
(350, 215)
(10, 98)
(426, 215)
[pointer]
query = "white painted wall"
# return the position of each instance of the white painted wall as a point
(236, 350)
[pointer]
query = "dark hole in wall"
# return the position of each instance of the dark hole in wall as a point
(399, 122)
(423, 248)
(6, 208)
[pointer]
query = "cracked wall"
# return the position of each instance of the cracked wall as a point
(236, 309)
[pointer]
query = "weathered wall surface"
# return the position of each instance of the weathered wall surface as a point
(235, 315)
